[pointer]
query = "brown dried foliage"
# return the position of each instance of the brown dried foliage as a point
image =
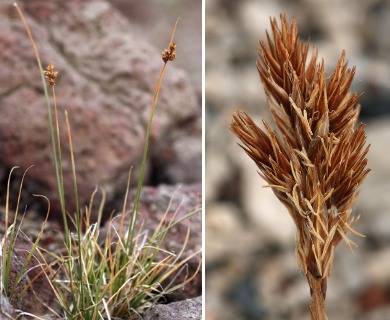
(315, 160)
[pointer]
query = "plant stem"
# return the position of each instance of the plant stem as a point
(134, 215)
(318, 294)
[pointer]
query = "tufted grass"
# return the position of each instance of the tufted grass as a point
(12, 233)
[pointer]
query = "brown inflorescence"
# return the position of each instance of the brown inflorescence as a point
(169, 54)
(315, 160)
(50, 74)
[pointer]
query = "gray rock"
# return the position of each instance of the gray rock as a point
(190, 309)
(6, 311)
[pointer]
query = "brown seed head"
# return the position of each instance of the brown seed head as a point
(50, 74)
(315, 160)
(169, 54)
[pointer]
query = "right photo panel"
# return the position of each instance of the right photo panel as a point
(297, 173)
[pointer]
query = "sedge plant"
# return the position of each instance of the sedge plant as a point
(123, 275)
(17, 278)
(315, 159)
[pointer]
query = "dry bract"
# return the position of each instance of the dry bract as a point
(315, 159)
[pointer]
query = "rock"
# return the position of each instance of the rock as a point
(6, 311)
(190, 309)
(154, 20)
(179, 201)
(173, 154)
(107, 77)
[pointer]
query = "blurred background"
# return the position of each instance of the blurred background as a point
(251, 270)
(154, 19)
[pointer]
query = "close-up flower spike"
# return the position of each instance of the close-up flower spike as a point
(315, 160)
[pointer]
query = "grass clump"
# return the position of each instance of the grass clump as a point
(315, 160)
(122, 274)
(16, 274)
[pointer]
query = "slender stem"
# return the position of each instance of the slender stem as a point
(59, 158)
(56, 153)
(318, 294)
(134, 215)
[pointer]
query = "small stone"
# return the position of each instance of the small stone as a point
(190, 309)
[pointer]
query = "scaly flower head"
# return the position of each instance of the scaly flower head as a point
(315, 159)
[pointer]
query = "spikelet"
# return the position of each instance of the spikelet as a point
(315, 159)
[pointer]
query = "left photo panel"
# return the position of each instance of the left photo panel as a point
(101, 159)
